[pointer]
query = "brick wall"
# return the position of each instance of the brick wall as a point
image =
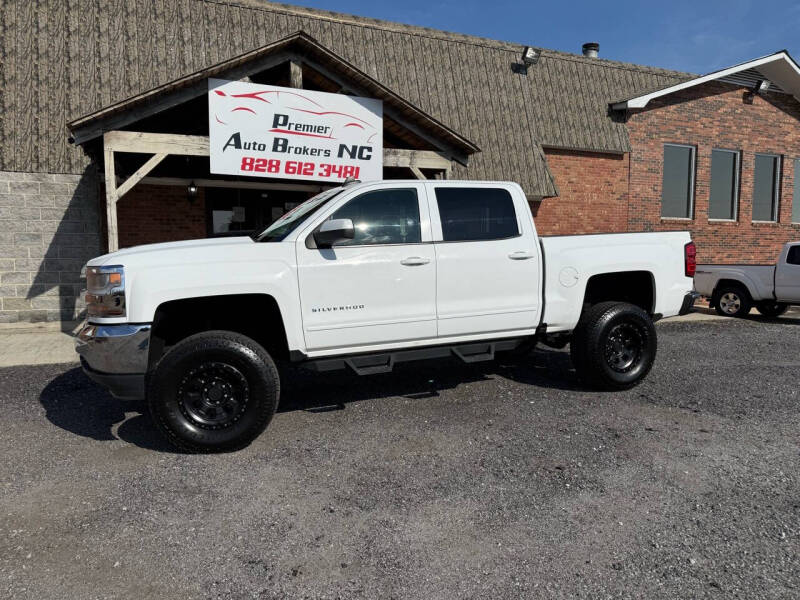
(715, 115)
(49, 228)
(592, 189)
(159, 213)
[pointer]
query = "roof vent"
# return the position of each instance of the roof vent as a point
(590, 49)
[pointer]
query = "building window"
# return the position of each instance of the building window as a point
(766, 186)
(235, 212)
(724, 200)
(677, 190)
(469, 214)
(388, 216)
(796, 198)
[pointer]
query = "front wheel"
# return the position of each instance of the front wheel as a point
(771, 309)
(614, 346)
(213, 392)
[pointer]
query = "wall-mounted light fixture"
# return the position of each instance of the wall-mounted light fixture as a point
(530, 56)
(191, 191)
(761, 87)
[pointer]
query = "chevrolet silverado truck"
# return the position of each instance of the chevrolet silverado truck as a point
(365, 276)
(734, 289)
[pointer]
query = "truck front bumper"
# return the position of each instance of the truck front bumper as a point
(115, 356)
(688, 302)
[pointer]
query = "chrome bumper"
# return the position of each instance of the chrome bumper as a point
(115, 356)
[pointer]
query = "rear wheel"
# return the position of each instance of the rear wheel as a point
(771, 309)
(614, 346)
(214, 392)
(732, 301)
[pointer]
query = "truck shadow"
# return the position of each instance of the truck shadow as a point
(75, 404)
(319, 392)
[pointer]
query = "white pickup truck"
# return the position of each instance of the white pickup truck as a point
(734, 289)
(365, 276)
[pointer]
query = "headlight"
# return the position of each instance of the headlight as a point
(105, 291)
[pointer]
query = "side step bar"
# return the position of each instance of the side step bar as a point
(383, 362)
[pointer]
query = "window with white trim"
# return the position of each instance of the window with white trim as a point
(677, 189)
(766, 187)
(724, 198)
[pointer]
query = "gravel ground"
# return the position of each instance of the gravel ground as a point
(439, 480)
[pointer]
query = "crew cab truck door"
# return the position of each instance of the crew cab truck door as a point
(787, 275)
(377, 288)
(487, 257)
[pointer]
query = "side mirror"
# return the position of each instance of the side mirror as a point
(333, 231)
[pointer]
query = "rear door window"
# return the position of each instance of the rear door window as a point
(471, 214)
(793, 257)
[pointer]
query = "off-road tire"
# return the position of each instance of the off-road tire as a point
(188, 392)
(613, 346)
(772, 310)
(729, 296)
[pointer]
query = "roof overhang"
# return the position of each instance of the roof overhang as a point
(298, 46)
(779, 68)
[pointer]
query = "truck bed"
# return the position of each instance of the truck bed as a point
(570, 261)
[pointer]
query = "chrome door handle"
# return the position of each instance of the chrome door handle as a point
(521, 255)
(413, 261)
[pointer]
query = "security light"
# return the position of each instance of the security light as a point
(762, 86)
(530, 56)
(191, 191)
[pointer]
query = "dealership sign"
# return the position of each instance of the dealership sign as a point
(269, 131)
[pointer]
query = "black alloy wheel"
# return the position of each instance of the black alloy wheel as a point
(613, 346)
(213, 392)
(213, 395)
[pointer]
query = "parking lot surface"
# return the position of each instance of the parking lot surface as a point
(440, 480)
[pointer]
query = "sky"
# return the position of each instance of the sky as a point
(697, 36)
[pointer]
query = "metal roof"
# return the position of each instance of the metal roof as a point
(62, 59)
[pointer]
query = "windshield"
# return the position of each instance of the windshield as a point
(289, 222)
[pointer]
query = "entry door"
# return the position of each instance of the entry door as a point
(787, 276)
(487, 271)
(379, 287)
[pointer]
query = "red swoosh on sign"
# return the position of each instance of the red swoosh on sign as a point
(244, 108)
(290, 132)
(330, 112)
(354, 125)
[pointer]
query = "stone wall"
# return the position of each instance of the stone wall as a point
(49, 228)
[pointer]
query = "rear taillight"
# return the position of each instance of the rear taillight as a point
(690, 259)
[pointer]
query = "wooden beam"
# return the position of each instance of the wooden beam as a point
(245, 185)
(295, 74)
(111, 201)
(156, 143)
(139, 174)
(417, 173)
(425, 159)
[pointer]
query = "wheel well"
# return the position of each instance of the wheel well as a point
(635, 287)
(255, 315)
(732, 283)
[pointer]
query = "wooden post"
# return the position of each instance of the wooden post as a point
(111, 201)
(295, 74)
(417, 173)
